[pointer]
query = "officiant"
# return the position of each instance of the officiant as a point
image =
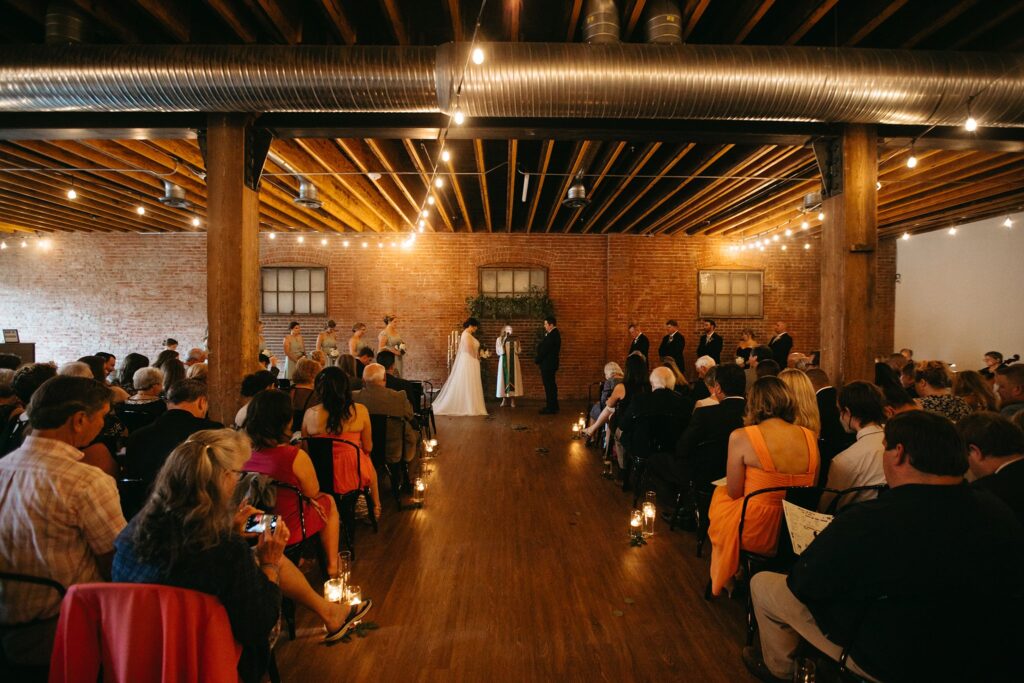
(510, 383)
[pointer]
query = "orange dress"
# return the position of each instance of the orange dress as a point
(764, 512)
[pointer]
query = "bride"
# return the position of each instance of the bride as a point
(463, 393)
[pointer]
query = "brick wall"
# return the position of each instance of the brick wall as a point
(127, 292)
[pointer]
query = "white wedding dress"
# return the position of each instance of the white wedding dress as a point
(463, 393)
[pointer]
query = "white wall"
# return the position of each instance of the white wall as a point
(960, 296)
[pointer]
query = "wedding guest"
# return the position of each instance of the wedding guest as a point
(635, 382)
(195, 356)
(993, 361)
(748, 342)
(791, 460)
(700, 389)
(355, 342)
(897, 401)
(682, 386)
(710, 343)
(9, 361)
(413, 390)
(638, 341)
(59, 516)
(163, 357)
(834, 438)
(612, 378)
(364, 358)
(379, 400)
(995, 454)
(709, 381)
(975, 390)
(129, 366)
(390, 340)
(907, 353)
(170, 345)
(252, 385)
(807, 415)
(174, 372)
(934, 384)
(99, 366)
(861, 412)
(145, 405)
(348, 365)
(897, 361)
(76, 369)
(269, 363)
(661, 402)
(885, 375)
(673, 343)
(109, 364)
(24, 384)
(510, 371)
(301, 391)
(327, 343)
(1010, 388)
(907, 378)
(781, 343)
(767, 368)
(547, 358)
(199, 371)
(294, 349)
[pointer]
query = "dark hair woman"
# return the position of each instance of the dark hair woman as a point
(163, 357)
(174, 372)
(635, 381)
(131, 364)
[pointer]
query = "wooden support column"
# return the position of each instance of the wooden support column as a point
(232, 262)
(849, 238)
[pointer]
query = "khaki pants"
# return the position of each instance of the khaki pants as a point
(782, 620)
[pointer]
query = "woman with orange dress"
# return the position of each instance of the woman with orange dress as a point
(770, 451)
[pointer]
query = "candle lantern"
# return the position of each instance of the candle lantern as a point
(419, 491)
(334, 590)
(575, 430)
(636, 520)
(354, 595)
(648, 522)
(582, 421)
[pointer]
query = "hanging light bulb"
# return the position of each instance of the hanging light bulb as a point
(821, 215)
(1008, 223)
(3, 245)
(905, 236)
(72, 194)
(195, 221)
(345, 244)
(446, 156)
(761, 248)
(478, 56)
(380, 245)
(784, 247)
(300, 239)
(273, 235)
(424, 213)
(364, 245)
(458, 117)
(971, 124)
(912, 160)
(807, 245)
(24, 243)
(421, 224)
(804, 225)
(45, 244)
(788, 233)
(952, 231)
(775, 238)
(431, 200)
(323, 241)
(438, 182)
(878, 184)
(141, 210)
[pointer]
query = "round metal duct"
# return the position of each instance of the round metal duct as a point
(601, 22)
(664, 25)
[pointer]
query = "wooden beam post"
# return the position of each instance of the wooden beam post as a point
(848, 240)
(232, 263)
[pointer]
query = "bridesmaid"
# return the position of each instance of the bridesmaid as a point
(294, 349)
(327, 342)
(389, 340)
(355, 342)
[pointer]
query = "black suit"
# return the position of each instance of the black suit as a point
(1008, 485)
(710, 347)
(781, 345)
(638, 434)
(672, 346)
(643, 345)
(547, 359)
(147, 449)
(413, 390)
(834, 439)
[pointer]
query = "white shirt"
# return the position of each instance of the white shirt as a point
(858, 465)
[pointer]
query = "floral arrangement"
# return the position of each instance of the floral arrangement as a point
(401, 348)
(334, 353)
(485, 353)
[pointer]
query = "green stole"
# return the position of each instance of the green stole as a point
(509, 366)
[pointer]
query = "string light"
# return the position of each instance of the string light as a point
(364, 245)
(273, 235)
(345, 244)
(300, 239)
(422, 224)
(971, 124)
(380, 245)
(912, 160)
(775, 238)
(804, 225)
(431, 200)
(3, 245)
(424, 213)
(141, 210)
(821, 215)
(788, 233)
(45, 243)
(24, 242)
(906, 236)
(807, 245)
(478, 56)
(323, 241)
(439, 182)
(878, 184)
(1008, 223)
(952, 231)
(72, 194)
(784, 247)
(458, 117)
(446, 156)
(195, 221)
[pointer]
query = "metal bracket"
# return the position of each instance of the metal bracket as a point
(257, 145)
(829, 154)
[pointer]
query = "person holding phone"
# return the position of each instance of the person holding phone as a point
(190, 535)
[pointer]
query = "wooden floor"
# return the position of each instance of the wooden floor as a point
(519, 569)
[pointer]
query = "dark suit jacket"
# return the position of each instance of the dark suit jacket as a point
(711, 423)
(1008, 485)
(641, 344)
(413, 390)
(673, 348)
(781, 345)
(834, 439)
(548, 350)
(638, 433)
(147, 449)
(711, 348)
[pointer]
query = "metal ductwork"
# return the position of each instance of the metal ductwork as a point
(664, 25)
(308, 197)
(174, 196)
(525, 80)
(601, 22)
(65, 23)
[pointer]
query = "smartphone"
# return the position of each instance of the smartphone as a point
(257, 524)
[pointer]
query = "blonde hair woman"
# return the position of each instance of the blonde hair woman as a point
(800, 386)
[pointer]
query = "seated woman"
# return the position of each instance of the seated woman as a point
(252, 385)
(975, 390)
(339, 416)
(933, 382)
(189, 535)
(634, 381)
(302, 393)
(770, 451)
(612, 378)
(709, 380)
(682, 386)
(268, 424)
(806, 401)
(131, 364)
(145, 405)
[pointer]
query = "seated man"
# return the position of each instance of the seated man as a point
(1010, 387)
(365, 357)
(148, 448)
(673, 411)
(380, 400)
(995, 453)
(700, 389)
(767, 368)
(709, 424)
(413, 390)
(58, 516)
(861, 412)
(922, 583)
(26, 380)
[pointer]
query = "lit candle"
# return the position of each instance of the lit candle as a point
(575, 427)
(354, 596)
(433, 443)
(419, 490)
(334, 590)
(648, 522)
(635, 523)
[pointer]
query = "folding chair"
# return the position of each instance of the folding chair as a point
(398, 472)
(322, 450)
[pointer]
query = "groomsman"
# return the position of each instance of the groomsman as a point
(781, 344)
(547, 359)
(639, 342)
(672, 344)
(710, 343)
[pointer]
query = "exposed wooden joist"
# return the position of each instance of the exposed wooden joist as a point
(363, 158)
(752, 21)
(455, 16)
(545, 159)
(512, 11)
(579, 154)
(634, 170)
(632, 13)
(285, 19)
(33, 9)
(811, 21)
(942, 20)
(231, 16)
(877, 19)
(110, 20)
(606, 166)
(692, 12)
(340, 23)
(510, 195)
(395, 18)
(453, 178)
(573, 20)
(377, 149)
(651, 183)
(481, 170)
(173, 16)
(997, 19)
(425, 173)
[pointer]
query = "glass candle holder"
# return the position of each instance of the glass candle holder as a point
(344, 565)
(354, 595)
(636, 521)
(433, 443)
(334, 590)
(419, 491)
(575, 430)
(649, 511)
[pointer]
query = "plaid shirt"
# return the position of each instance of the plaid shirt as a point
(56, 516)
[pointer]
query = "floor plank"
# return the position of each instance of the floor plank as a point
(517, 569)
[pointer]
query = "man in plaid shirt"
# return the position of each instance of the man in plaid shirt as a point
(58, 516)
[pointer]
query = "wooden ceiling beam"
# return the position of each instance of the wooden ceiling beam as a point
(692, 12)
(545, 160)
(572, 20)
(752, 21)
(632, 12)
(1000, 206)
(233, 18)
(394, 16)
(455, 16)
(510, 194)
(454, 180)
(579, 153)
(110, 19)
(650, 183)
(379, 153)
(425, 174)
(334, 11)
(982, 185)
(941, 21)
(481, 170)
(997, 19)
(638, 165)
(712, 158)
(606, 166)
(877, 19)
(285, 17)
(512, 11)
(811, 21)
(364, 159)
(32, 9)
(31, 221)
(173, 16)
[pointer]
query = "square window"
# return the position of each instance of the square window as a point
(288, 290)
(730, 293)
(521, 282)
(505, 281)
(539, 279)
(317, 302)
(488, 281)
(269, 302)
(318, 280)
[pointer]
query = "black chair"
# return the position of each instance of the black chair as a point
(705, 464)
(133, 493)
(306, 546)
(649, 433)
(398, 472)
(12, 435)
(321, 451)
(135, 419)
(20, 672)
(425, 410)
(833, 506)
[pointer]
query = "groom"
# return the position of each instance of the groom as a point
(547, 359)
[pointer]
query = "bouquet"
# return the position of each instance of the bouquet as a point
(334, 353)
(401, 348)
(485, 354)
